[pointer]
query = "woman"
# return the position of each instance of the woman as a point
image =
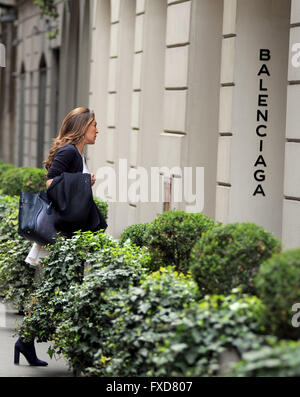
(78, 129)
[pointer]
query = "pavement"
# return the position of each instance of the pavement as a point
(57, 367)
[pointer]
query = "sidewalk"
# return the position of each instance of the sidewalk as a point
(8, 321)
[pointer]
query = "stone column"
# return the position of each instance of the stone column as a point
(291, 200)
(252, 112)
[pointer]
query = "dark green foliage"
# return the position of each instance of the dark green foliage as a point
(278, 285)
(280, 359)
(171, 236)
(17, 179)
(87, 320)
(5, 167)
(206, 329)
(135, 233)
(16, 276)
(229, 256)
(62, 268)
(103, 207)
(144, 316)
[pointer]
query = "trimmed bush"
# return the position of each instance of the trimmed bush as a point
(278, 285)
(144, 316)
(229, 256)
(90, 308)
(16, 276)
(103, 207)
(207, 329)
(62, 268)
(135, 233)
(17, 179)
(172, 235)
(282, 359)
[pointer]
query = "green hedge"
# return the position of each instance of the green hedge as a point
(172, 235)
(62, 268)
(16, 179)
(16, 276)
(229, 256)
(136, 234)
(83, 332)
(280, 359)
(103, 307)
(278, 285)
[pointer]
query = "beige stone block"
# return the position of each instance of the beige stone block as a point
(133, 148)
(114, 40)
(115, 10)
(178, 23)
(291, 224)
(140, 6)
(292, 166)
(227, 61)
(229, 17)
(293, 114)
(132, 215)
(176, 72)
(294, 54)
(224, 159)
(175, 110)
(170, 151)
(110, 141)
(137, 71)
(225, 112)
(295, 11)
(222, 203)
(112, 74)
(139, 33)
(111, 110)
(135, 109)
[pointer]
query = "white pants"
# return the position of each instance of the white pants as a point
(36, 253)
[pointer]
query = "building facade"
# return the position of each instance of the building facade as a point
(175, 85)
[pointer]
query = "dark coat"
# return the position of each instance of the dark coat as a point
(66, 159)
(72, 197)
(71, 193)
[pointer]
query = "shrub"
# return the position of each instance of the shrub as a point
(143, 317)
(229, 256)
(103, 207)
(90, 308)
(206, 329)
(62, 268)
(4, 167)
(278, 285)
(171, 236)
(16, 276)
(7, 205)
(282, 359)
(135, 233)
(17, 179)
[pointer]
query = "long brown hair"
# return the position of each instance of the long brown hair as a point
(72, 131)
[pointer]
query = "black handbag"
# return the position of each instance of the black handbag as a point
(37, 218)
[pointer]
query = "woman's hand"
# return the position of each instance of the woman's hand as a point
(93, 179)
(48, 183)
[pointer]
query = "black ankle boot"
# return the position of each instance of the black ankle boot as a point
(28, 350)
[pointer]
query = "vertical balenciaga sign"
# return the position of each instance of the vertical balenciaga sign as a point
(262, 116)
(2, 56)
